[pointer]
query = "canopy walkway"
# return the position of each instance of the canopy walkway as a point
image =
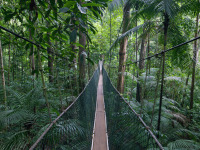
(101, 119)
(88, 123)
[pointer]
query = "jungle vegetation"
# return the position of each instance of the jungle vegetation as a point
(65, 39)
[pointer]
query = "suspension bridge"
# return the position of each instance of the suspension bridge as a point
(106, 118)
(100, 118)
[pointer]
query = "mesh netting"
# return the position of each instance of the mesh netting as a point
(180, 90)
(74, 129)
(125, 129)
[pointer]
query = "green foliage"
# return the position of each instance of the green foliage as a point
(56, 25)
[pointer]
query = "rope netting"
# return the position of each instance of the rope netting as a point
(181, 67)
(126, 129)
(165, 96)
(73, 129)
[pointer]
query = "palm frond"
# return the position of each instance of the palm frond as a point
(183, 144)
(16, 141)
(128, 33)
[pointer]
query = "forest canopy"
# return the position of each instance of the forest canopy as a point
(49, 50)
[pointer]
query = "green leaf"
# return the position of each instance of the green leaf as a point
(20, 19)
(64, 37)
(54, 33)
(92, 4)
(9, 16)
(27, 46)
(96, 14)
(55, 14)
(82, 9)
(64, 9)
(78, 45)
(70, 4)
(60, 3)
(82, 23)
(35, 72)
(73, 36)
(52, 2)
(32, 30)
(42, 3)
(90, 61)
(47, 13)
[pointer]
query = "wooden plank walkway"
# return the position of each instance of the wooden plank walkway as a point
(100, 138)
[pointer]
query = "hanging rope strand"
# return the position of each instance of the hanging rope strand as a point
(155, 55)
(38, 45)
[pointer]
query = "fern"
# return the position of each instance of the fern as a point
(183, 145)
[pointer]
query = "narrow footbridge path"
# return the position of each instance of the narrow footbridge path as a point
(100, 139)
(98, 119)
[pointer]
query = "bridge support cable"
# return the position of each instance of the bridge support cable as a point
(165, 51)
(126, 129)
(73, 128)
(100, 137)
(33, 43)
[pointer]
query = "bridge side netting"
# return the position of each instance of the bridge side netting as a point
(73, 131)
(125, 129)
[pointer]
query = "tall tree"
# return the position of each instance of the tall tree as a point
(122, 50)
(2, 74)
(82, 60)
(32, 59)
(9, 62)
(141, 64)
(50, 51)
(195, 59)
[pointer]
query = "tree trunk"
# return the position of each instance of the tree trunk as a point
(195, 58)
(147, 66)
(166, 25)
(110, 42)
(89, 67)
(50, 63)
(141, 67)
(137, 74)
(82, 60)
(50, 56)
(142, 54)
(43, 84)
(32, 60)
(185, 93)
(122, 51)
(9, 64)
(13, 64)
(2, 75)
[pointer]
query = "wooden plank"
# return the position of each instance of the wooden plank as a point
(100, 139)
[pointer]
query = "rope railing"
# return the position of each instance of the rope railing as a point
(33, 43)
(117, 106)
(88, 94)
(176, 76)
(160, 53)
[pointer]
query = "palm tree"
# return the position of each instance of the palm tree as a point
(168, 10)
(195, 49)
(152, 9)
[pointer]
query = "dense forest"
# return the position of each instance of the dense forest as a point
(49, 50)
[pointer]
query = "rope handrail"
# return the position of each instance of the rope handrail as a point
(55, 120)
(179, 45)
(141, 120)
(33, 43)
